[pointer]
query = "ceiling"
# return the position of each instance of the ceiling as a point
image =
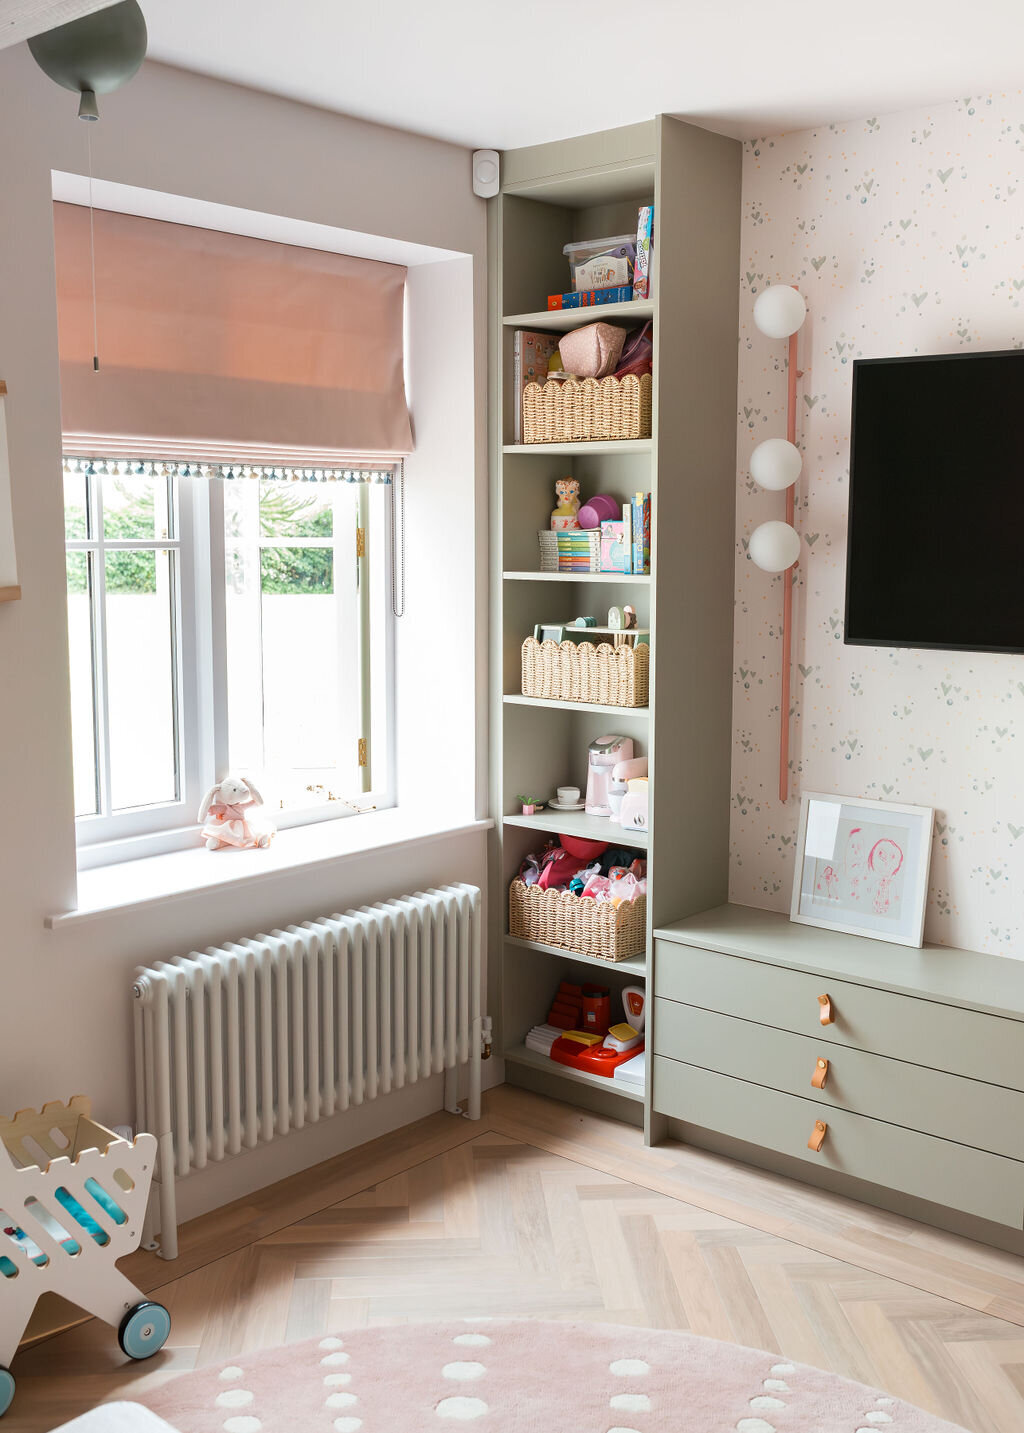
(21, 19)
(490, 74)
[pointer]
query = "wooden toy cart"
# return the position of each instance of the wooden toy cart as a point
(72, 1200)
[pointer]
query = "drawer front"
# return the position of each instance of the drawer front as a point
(924, 1032)
(970, 1180)
(986, 1116)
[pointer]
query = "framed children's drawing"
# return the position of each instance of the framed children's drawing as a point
(862, 867)
(9, 589)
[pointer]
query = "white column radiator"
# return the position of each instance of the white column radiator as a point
(239, 1045)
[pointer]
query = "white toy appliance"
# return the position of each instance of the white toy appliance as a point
(622, 774)
(630, 1033)
(604, 754)
(634, 805)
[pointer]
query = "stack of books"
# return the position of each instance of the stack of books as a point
(587, 298)
(579, 550)
(632, 1072)
(541, 1038)
(548, 542)
(626, 545)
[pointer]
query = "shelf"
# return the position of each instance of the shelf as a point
(633, 965)
(578, 823)
(598, 707)
(621, 446)
(520, 1055)
(561, 320)
(639, 578)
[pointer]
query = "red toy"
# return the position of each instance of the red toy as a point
(595, 1059)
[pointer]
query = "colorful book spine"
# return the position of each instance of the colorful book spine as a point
(615, 555)
(627, 534)
(641, 537)
(574, 550)
(587, 298)
(642, 264)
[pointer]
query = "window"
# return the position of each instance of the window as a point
(223, 618)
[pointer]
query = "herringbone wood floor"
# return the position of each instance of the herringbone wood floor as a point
(528, 1214)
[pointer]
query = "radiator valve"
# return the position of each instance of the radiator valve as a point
(486, 1028)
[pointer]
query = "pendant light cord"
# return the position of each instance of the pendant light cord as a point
(92, 256)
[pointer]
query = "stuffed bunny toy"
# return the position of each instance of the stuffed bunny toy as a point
(228, 816)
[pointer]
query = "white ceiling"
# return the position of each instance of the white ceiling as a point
(21, 19)
(504, 73)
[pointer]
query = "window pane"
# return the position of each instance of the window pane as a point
(296, 510)
(83, 710)
(141, 677)
(287, 571)
(76, 525)
(302, 718)
(136, 509)
(293, 677)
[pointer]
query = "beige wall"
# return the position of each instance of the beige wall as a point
(64, 995)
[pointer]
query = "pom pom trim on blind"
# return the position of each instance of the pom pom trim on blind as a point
(161, 468)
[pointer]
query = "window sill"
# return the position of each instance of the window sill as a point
(180, 874)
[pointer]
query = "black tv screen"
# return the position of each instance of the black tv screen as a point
(935, 554)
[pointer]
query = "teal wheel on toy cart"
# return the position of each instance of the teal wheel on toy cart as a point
(6, 1389)
(144, 1330)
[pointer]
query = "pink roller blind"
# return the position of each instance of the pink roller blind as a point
(209, 338)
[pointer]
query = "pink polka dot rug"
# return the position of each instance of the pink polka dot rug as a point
(525, 1376)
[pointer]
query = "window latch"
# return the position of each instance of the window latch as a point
(360, 542)
(362, 751)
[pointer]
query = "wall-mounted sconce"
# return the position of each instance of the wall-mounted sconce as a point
(775, 464)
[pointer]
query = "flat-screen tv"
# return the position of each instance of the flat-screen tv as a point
(935, 554)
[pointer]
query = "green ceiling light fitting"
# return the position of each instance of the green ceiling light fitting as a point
(95, 54)
(92, 56)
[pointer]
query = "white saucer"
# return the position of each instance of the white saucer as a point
(576, 806)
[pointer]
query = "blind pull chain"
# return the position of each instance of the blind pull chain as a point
(398, 544)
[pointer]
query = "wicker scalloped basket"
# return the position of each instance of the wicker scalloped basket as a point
(589, 927)
(588, 409)
(583, 672)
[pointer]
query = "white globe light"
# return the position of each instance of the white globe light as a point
(779, 311)
(774, 546)
(775, 464)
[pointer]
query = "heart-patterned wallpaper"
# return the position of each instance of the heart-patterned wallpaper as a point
(905, 233)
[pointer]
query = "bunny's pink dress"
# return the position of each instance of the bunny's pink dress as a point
(233, 825)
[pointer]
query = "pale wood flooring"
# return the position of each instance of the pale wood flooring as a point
(544, 1211)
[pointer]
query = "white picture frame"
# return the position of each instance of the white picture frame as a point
(10, 591)
(862, 867)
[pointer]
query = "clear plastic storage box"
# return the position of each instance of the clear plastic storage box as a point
(601, 263)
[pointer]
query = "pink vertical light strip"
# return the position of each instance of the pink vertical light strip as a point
(787, 591)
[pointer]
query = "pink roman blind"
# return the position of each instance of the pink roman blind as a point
(218, 341)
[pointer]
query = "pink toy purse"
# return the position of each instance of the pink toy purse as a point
(592, 351)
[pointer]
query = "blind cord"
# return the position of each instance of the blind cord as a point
(92, 256)
(398, 542)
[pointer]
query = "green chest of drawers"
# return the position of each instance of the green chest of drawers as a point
(895, 1069)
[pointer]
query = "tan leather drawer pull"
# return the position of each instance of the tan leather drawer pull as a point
(820, 1074)
(825, 1013)
(818, 1134)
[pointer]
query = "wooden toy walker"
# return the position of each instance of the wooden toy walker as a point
(72, 1200)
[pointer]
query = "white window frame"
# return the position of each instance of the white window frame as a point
(201, 675)
(105, 825)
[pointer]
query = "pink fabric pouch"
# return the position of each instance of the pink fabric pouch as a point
(592, 351)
